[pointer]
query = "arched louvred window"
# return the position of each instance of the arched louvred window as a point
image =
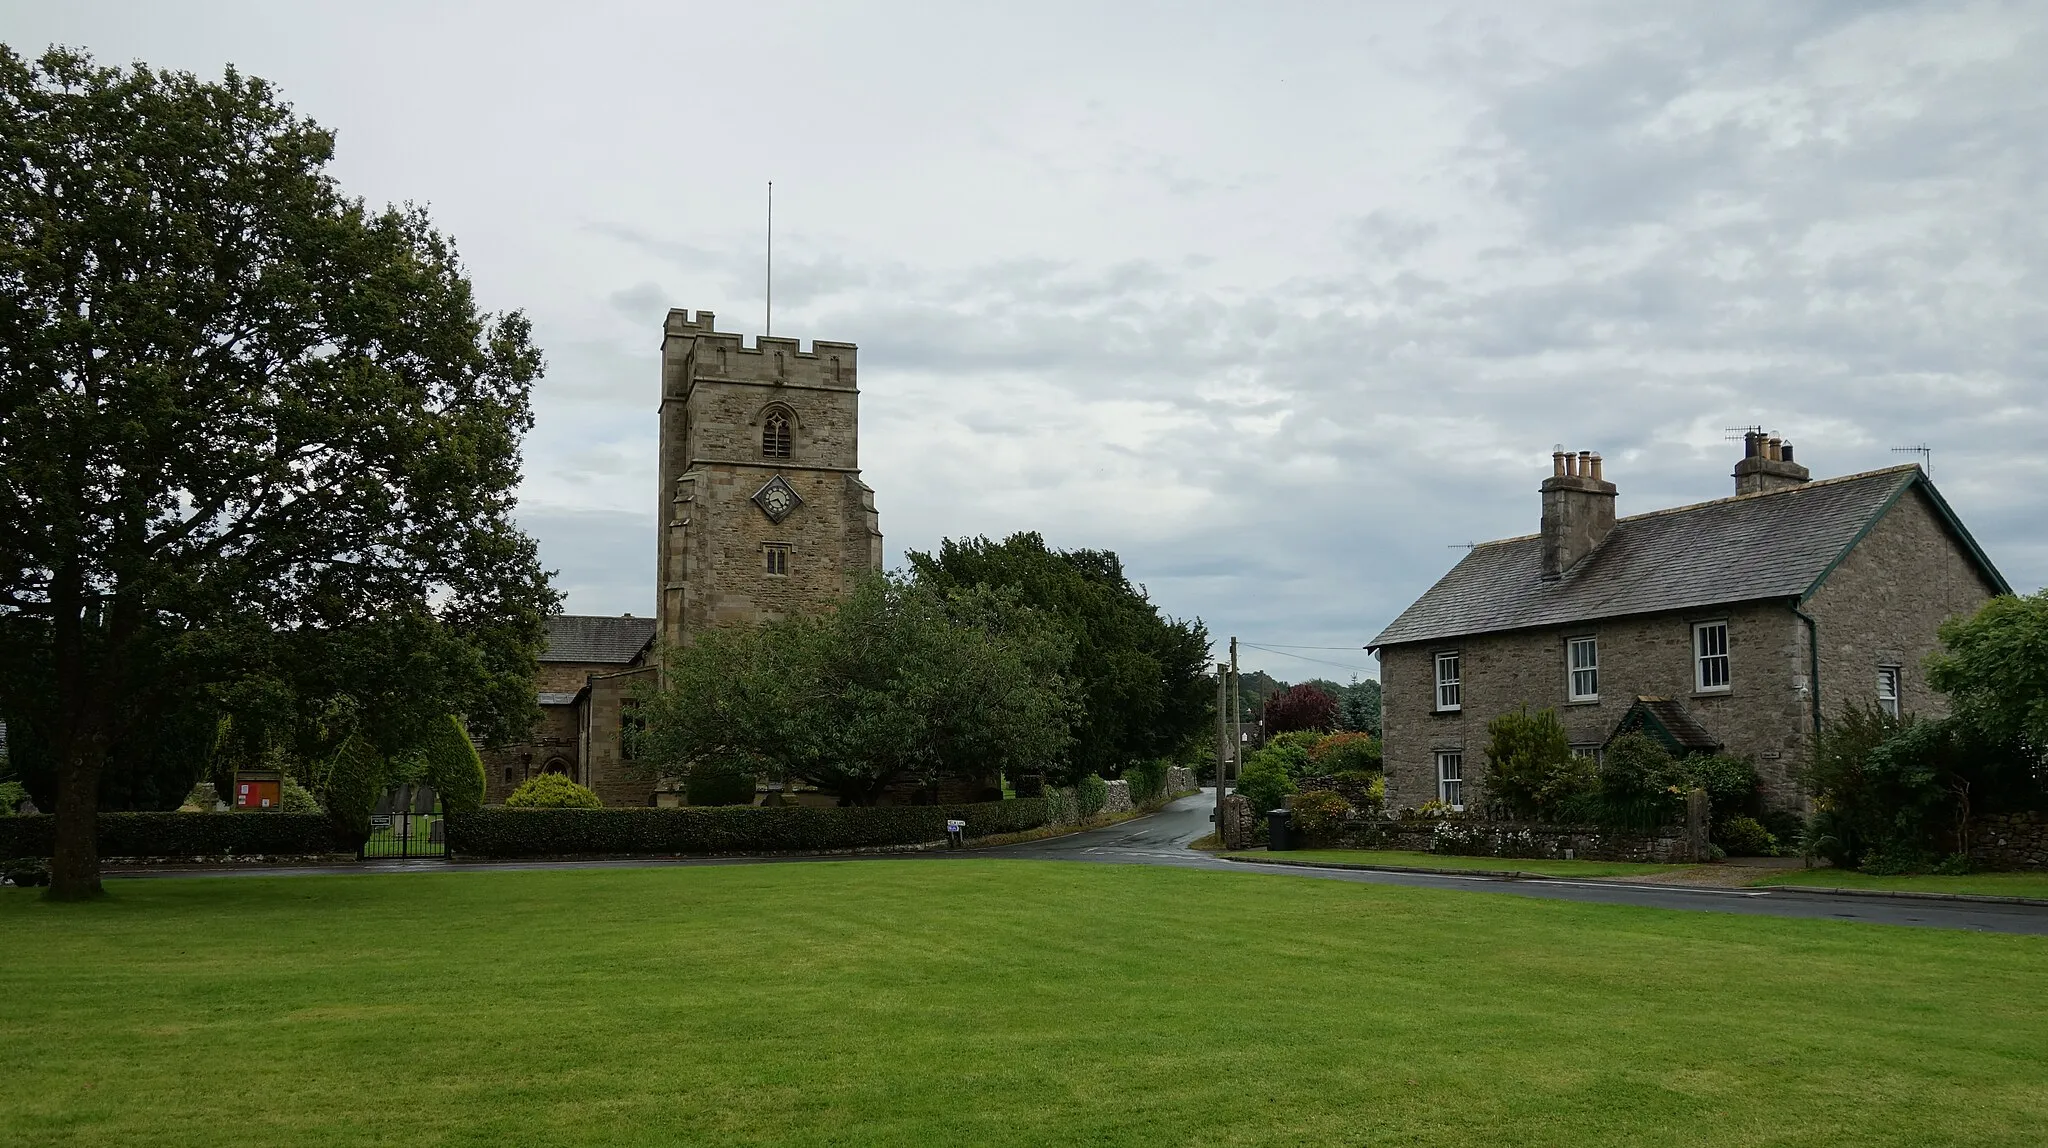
(775, 436)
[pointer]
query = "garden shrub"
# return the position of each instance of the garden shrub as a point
(1530, 766)
(1319, 815)
(989, 818)
(1367, 792)
(1091, 794)
(1147, 780)
(733, 829)
(1744, 836)
(1291, 752)
(453, 766)
(552, 791)
(25, 872)
(719, 783)
(1265, 782)
(173, 834)
(295, 798)
(1346, 753)
(12, 794)
(349, 783)
(1730, 781)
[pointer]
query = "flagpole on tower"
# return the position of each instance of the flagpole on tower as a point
(768, 316)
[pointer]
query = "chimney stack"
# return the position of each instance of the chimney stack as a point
(1578, 510)
(1766, 465)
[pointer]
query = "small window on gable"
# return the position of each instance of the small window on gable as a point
(1889, 679)
(1710, 656)
(1584, 669)
(775, 436)
(778, 559)
(1449, 685)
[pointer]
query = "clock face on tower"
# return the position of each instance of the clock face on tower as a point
(777, 500)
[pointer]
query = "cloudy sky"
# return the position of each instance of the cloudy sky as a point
(1282, 302)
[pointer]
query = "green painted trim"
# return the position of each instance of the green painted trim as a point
(1812, 656)
(1942, 508)
(1963, 532)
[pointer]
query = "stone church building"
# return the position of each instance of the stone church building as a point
(761, 512)
(1737, 625)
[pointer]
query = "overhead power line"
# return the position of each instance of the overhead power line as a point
(1306, 658)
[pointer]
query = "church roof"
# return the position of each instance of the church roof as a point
(1779, 544)
(595, 638)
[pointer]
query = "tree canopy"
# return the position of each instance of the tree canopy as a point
(901, 684)
(258, 445)
(1303, 707)
(1143, 678)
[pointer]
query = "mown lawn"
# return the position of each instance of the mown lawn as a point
(991, 1002)
(1990, 884)
(1444, 861)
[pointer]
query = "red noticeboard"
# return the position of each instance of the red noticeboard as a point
(256, 794)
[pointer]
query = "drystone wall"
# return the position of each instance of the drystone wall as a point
(2010, 841)
(1118, 798)
(1477, 837)
(1180, 779)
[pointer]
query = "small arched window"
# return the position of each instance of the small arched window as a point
(775, 436)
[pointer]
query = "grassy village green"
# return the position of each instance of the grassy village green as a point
(990, 1002)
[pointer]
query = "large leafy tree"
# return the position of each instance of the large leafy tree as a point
(256, 439)
(1143, 677)
(899, 684)
(1993, 666)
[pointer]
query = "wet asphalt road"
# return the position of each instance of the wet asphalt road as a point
(1162, 839)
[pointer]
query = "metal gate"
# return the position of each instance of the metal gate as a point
(407, 823)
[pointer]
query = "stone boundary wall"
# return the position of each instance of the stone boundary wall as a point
(1477, 837)
(1180, 779)
(1118, 798)
(1239, 823)
(2010, 841)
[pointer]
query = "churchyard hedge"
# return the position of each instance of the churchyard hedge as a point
(183, 835)
(726, 829)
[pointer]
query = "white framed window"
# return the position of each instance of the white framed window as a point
(1592, 751)
(1582, 659)
(1710, 656)
(1449, 685)
(778, 559)
(1450, 778)
(1889, 679)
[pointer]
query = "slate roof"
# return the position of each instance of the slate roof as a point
(1668, 721)
(1740, 549)
(591, 638)
(558, 697)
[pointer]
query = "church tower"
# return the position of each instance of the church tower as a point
(762, 511)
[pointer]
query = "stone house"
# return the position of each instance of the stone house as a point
(761, 512)
(1733, 626)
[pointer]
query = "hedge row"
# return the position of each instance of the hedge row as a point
(501, 832)
(182, 835)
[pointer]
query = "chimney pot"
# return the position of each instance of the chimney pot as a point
(1578, 510)
(1772, 449)
(1786, 450)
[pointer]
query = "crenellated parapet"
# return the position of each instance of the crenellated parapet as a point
(693, 350)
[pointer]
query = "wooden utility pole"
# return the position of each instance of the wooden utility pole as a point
(1222, 737)
(1236, 715)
